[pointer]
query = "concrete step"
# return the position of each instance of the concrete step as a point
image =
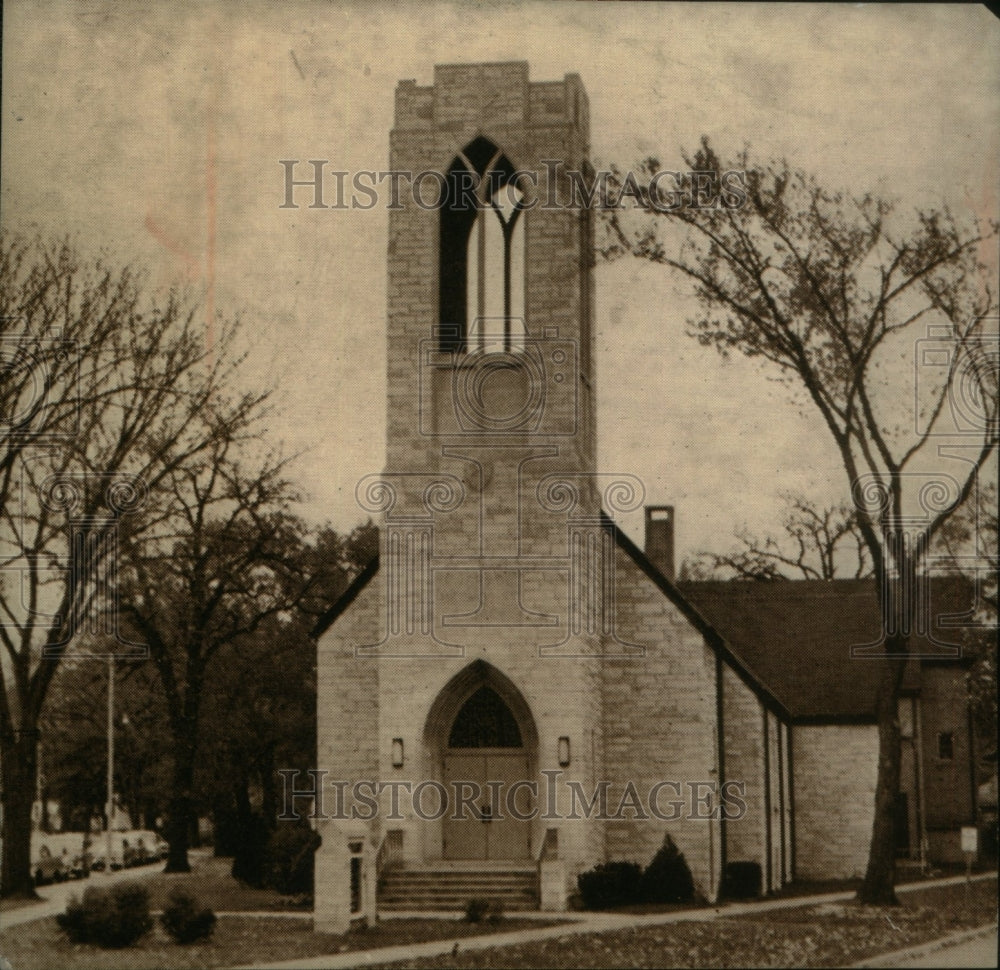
(451, 889)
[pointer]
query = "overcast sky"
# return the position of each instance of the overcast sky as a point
(121, 124)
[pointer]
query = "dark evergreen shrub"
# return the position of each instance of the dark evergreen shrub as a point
(667, 879)
(114, 917)
(185, 920)
(742, 880)
(610, 884)
(476, 910)
(290, 859)
(251, 849)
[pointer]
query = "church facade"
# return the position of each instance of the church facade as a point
(513, 691)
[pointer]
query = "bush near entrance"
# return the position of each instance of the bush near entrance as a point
(667, 879)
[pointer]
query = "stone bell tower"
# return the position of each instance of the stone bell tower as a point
(491, 538)
(491, 393)
(472, 652)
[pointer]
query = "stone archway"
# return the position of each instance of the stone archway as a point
(483, 740)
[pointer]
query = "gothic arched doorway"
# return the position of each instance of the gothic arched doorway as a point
(486, 742)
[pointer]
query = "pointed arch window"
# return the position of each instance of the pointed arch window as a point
(485, 721)
(482, 253)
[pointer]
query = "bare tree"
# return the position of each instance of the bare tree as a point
(224, 556)
(833, 291)
(103, 391)
(817, 544)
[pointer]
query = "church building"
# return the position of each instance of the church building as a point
(513, 692)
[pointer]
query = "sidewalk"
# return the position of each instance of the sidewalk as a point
(56, 895)
(581, 923)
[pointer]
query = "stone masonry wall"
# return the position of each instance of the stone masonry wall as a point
(347, 731)
(660, 725)
(835, 771)
(742, 717)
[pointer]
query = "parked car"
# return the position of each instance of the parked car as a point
(50, 868)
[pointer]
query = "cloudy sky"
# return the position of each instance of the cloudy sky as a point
(155, 133)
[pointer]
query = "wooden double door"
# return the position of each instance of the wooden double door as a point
(486, 774)
(484, 827)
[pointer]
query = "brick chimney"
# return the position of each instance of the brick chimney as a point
(660, 538)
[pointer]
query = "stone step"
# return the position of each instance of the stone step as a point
(414, 878)
(453, 903)
(451, 889)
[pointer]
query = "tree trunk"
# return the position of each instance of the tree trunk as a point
(19, 767)
(269, 791)
(178, 828)
(878, 887)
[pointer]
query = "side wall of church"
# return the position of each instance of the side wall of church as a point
(660, 727)
(347, 732)
(742, 720)
(835, 773)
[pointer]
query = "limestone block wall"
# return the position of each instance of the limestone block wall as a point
(534, 124)
(742, 719)
(347, 730)
(835, 768)
(560, 694)
(660, 726)
(347, 685)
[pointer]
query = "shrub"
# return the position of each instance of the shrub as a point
(667, 878)
(114, 917)
(610, 884)
(184, 920)
(289, 859)
(742, 880)
(476, 910)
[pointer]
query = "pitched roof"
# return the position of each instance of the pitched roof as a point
(359, 582)
(799, 634)
(722, 646)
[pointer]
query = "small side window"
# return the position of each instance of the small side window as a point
(946, 745)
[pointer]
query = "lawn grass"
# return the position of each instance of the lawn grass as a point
(828, 935)
(211, 882)
(237, 941)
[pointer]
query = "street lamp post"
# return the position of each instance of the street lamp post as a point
(111, 753)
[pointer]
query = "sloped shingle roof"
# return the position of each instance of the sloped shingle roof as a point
(799, 634)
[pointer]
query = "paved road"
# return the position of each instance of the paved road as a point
(969, 948)
(980, 951)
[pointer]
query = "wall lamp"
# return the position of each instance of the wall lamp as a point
(564, 752)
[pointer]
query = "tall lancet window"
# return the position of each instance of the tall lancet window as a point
(481, 284)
